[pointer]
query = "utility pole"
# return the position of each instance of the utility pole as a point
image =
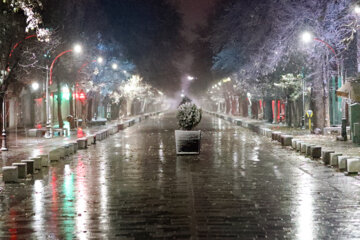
(49, 132)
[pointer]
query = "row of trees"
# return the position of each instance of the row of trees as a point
(258, 43)
(140, 37)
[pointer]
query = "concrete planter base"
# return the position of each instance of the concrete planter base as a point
(187, 142)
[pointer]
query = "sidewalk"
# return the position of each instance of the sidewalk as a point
(327, 142)
(22, 147)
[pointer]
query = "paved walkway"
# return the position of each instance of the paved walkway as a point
(23, 147)
(328, 142)
(133, 186)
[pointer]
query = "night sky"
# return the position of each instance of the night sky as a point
(195, 13)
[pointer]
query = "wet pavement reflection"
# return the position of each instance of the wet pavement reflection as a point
(133, 186)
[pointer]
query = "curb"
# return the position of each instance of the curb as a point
(21, 170)
(350, 165)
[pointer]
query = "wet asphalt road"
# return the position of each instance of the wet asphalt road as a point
(133, 186)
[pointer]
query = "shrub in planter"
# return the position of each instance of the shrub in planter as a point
(189, 116)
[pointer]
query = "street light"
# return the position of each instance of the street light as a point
(357, 9)
(35, 86)
(100, 60)
(190, 78)
(307, 37)
(77, 49)
(114, 66)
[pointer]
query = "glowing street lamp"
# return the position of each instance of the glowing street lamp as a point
(306, 37)
(35, 86)
(190, 78)
(357, 9)
(77, 49)
(114, 66)
(100, 60)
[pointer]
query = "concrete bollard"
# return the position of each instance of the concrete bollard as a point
(274, 136)
(238, 122)
(93, 138)
(325, 155)
(62, 152)
(268, 133)
(98, 136)
(308, 149)
(75, 144)
(353, 165)
(104, 134)
(89, 140)
(22, 171)
(54, 155)
(298, 146)
(342, 162)
(82, 143)
(67, 151)
(10, 174)
(315, 152)
(114, 129)
(44, 160)
(29, 166)
(334, 159)
(303, 148)
(37, 162)
(286, 140)
(71, 148)
(121, 126)
(262, 131)
(293, 143)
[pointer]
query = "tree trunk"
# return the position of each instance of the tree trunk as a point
(275, 115)
(268, 110)
(71, 104)
(60, 119)
(288, 114)
(320, 100)
(129, 103)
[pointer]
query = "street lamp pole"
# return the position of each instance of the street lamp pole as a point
(3, 135)
(77, 49)
(49, 132)
(307, 37)
(303, 102)
(303, 98)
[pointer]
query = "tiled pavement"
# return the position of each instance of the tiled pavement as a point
(133, 186)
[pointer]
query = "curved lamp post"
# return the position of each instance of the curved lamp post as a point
(77, 49)
(307, 37)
